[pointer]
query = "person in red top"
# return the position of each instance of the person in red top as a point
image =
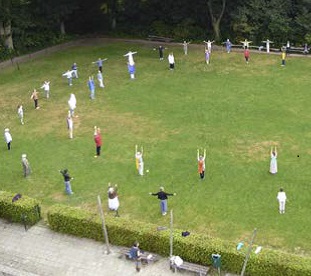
(98, 140)
(246, 55)
(201, 163)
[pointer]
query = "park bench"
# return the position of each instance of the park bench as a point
(159, 38)
(190, 267)
(146, 257)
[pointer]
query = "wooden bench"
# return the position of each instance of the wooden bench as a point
(198, 269)
(146, 257)
(159, 38)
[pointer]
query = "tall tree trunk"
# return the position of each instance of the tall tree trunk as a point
(216, 19)
(6, 34)
(62, 27)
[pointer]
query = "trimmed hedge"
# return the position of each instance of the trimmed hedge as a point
(25, 210)
(195, 248)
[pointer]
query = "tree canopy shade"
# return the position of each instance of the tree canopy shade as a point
(35, 23)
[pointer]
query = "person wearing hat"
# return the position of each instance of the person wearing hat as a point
(26, 166)
(8, 138)
(163, 199)
(67, 179)
(113, 200)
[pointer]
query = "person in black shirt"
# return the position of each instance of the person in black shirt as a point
(163, 199)
(67, 179)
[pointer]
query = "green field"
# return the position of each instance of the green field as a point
(234, 110)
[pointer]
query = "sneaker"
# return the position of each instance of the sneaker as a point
(164, 213)
(95, 156)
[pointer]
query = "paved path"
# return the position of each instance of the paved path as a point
(40, 251)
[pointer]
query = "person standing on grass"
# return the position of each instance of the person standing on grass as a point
(99, 63)
(139, 160)
(273, 162)
(98, 140)
(26, 166)
(20, 113)
(91, 85)
(46, 87)
(281, 197)
(185, 46)
(74, 69)
(201, 163)
(161, 52)
(72, 102)
(8, 138)
(246, 55)
(100, 79)
(171, 61)
(228, 45)
(283, 56)
(67, 179)
(113, 200)
(268, 42)
(135, 254)
(70, 125)
(35, 97)
(162, 196)
(68, 75)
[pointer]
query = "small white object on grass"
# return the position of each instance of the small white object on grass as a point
(147, 171)
(258, 249)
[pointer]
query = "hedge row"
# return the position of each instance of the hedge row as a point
(194, 248)
(24, 210)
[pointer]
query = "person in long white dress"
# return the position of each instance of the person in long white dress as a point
(139, 160)
(273, 161)
(113, 200)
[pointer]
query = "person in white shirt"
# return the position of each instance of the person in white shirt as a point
(281, 197)
(70, 125)
(8, 138)
(20, 113)
(72, 102)
(100, 79)
(46, 87)
(68, 75)
(139, 160)
(171, 61)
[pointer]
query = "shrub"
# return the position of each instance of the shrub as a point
(24, 210)
(195, 248)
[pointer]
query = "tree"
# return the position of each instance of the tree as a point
(216, 9)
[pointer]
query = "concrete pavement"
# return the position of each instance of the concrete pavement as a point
(40, 251)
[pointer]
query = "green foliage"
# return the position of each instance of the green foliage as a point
(23, 209)
(195, 248)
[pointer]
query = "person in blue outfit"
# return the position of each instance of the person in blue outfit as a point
(91, 85)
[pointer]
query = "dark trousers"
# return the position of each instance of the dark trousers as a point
(9, 145)
(202, 174)
(98, 150)
(36, 103)
(100, 68)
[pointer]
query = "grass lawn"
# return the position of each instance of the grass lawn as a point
(237, 111)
